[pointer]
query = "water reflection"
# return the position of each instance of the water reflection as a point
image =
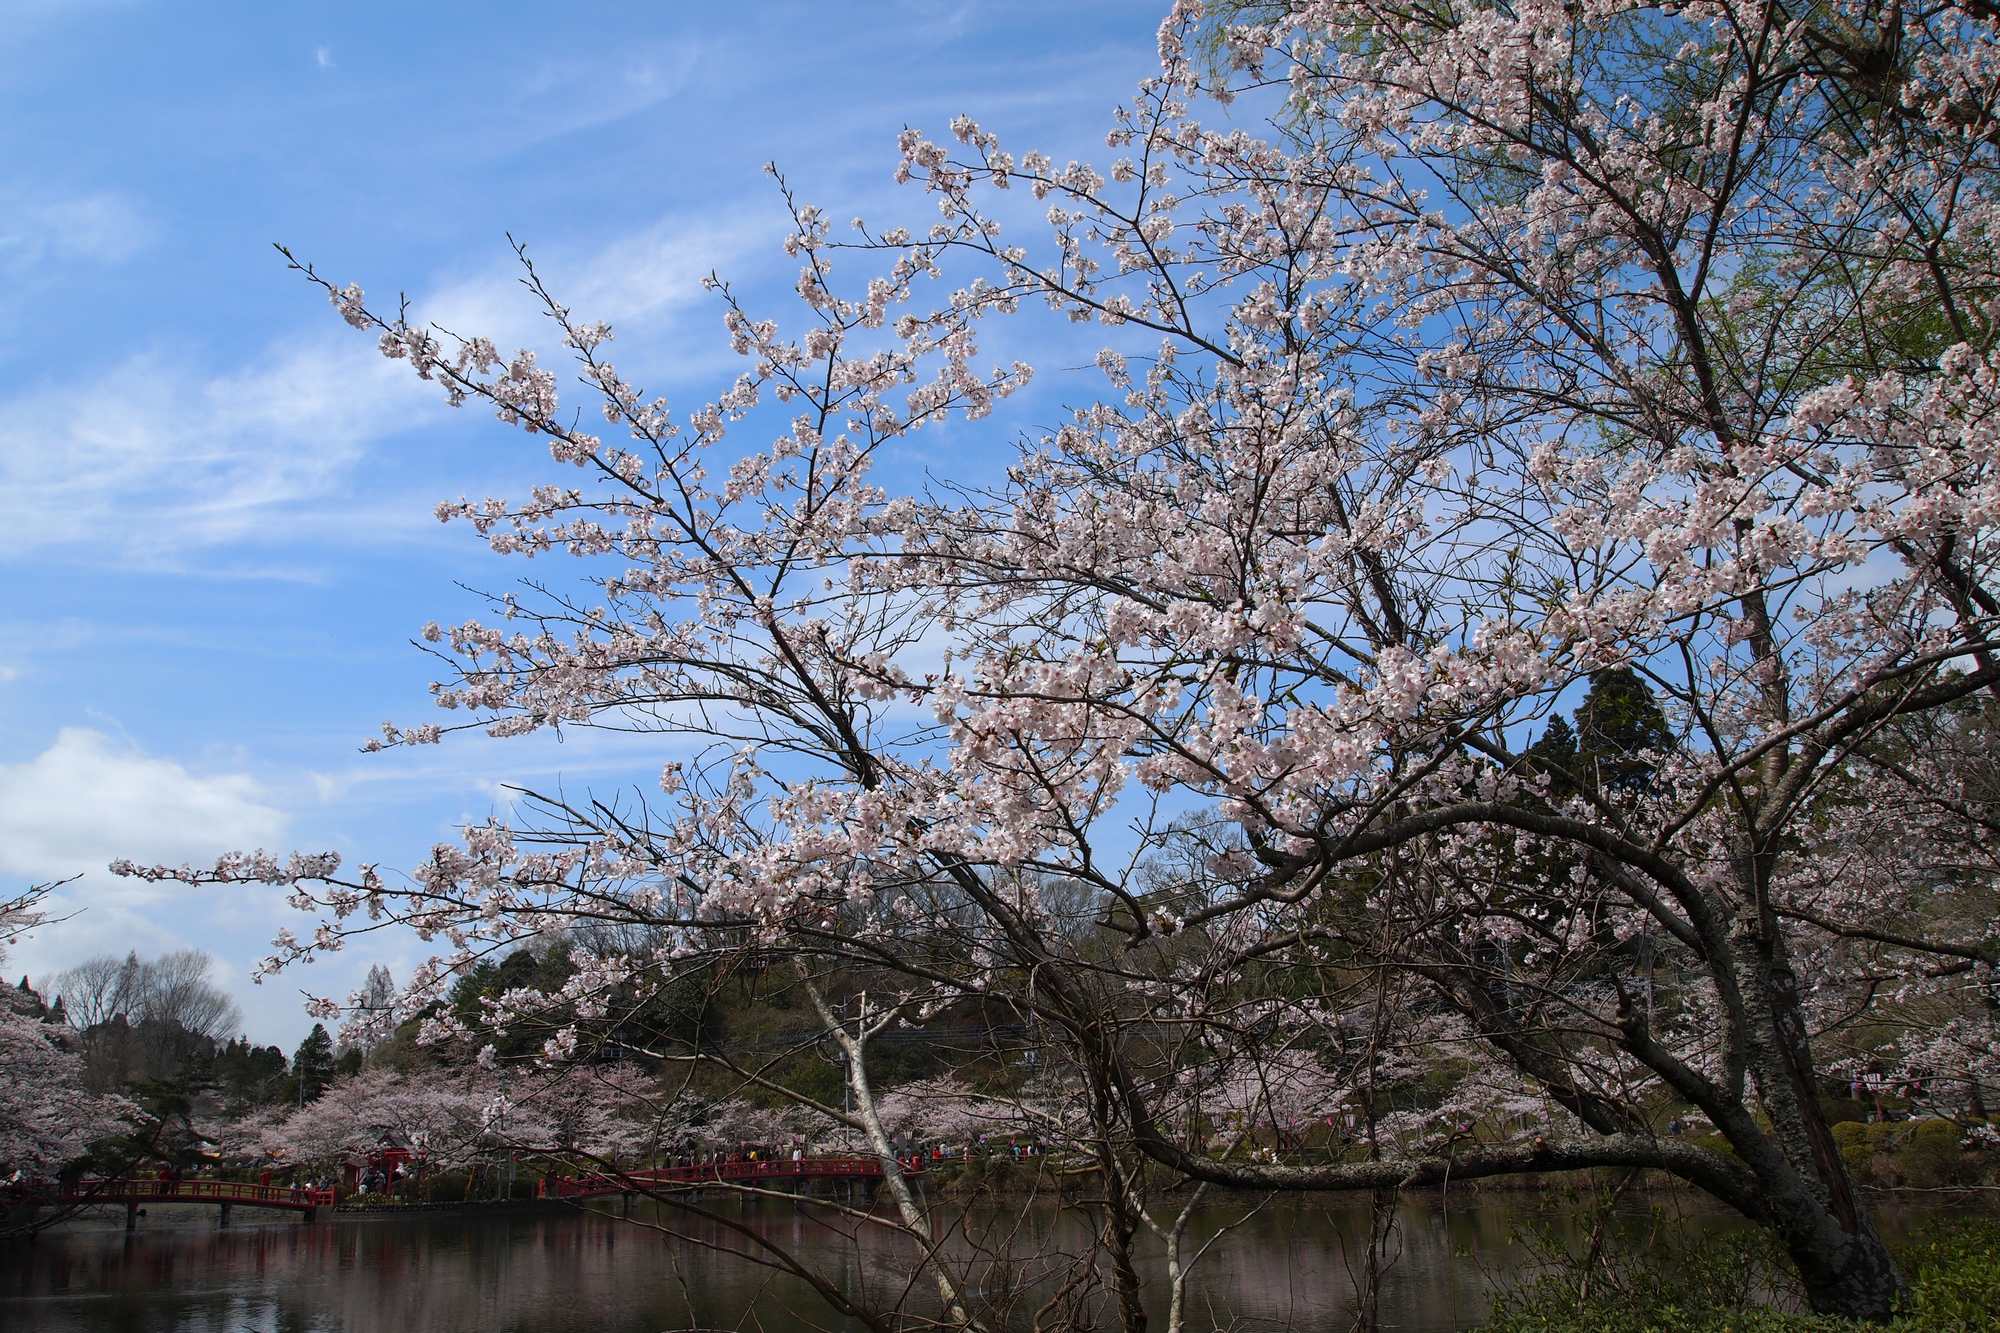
(1289, 1264)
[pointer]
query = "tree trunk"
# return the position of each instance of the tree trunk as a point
(1803, 1194)
(1857, 1280)
(1845, 1267)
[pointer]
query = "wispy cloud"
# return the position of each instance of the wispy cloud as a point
(472, 764)
(939, 19)
(28, 20)
(151, 458)
(40, 227)
(559, 97)
(323, 57)
(155, 459)
(637, 281)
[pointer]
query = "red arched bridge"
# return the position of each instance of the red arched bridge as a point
(775, 1171)
(227, 1194)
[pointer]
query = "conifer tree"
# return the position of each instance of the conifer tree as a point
(312, 1064)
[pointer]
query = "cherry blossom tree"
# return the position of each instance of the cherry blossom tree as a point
(437, 1115)
(47, 1114)
(609, 1114)
(1450, 360)
(48, 1117)
(944, 1109)
(453, 1118)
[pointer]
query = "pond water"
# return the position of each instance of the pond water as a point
(1287, 1264)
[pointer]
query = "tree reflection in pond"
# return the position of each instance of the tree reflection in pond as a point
(1283, 1268)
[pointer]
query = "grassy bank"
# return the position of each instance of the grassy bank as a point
(1738, 1283)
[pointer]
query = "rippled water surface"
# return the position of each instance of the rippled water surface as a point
(1286, 1266)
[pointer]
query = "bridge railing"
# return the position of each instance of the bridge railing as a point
(120, 1189)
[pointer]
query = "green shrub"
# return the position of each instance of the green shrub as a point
(1933, 1157)
(1672, 1279)
(1953, 1269)
(1855, 1151)
(1889, 1154)
(1954, 1272)
(449, 1186)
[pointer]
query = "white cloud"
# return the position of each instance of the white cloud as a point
(470, 763)
(90, 798)
(638, 282)
(939, 19)
(323, 57)
(28, 20)
(563, 96)
(159, 461)
(39, 228)
(150, 458)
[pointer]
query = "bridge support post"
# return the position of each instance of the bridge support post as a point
(625, 1203)
(131, 1214)
(225, 1214)
(312, 1211)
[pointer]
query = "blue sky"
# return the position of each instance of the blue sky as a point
(215, 499)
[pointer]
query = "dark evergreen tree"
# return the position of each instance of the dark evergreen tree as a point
(248, 1075)
(1619, 729)
(312, 1065)
(525, 969)
(1554, 756)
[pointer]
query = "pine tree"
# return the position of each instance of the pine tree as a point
(312, 1066)
(1554, 755)
(1619, 727)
